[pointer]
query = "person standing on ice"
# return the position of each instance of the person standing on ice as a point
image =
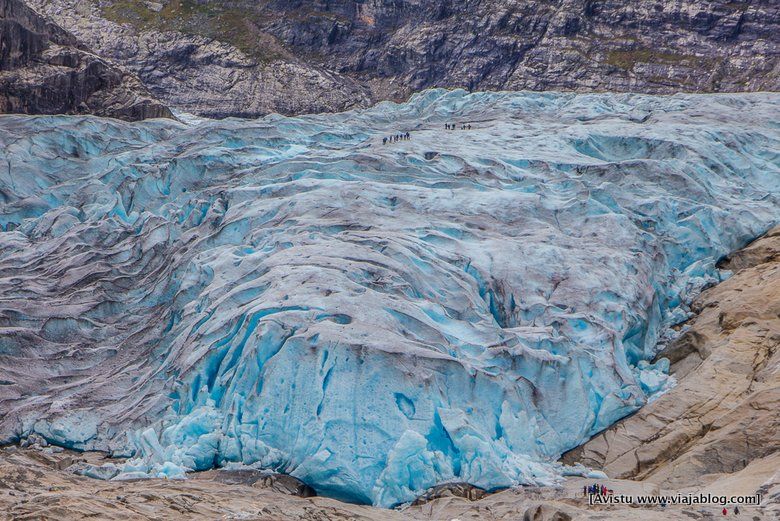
(384, 140)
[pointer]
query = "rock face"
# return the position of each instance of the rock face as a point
(719, 429)
(44, 70)
(333, 54)
(206, 76)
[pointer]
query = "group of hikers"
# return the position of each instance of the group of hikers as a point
(398, 137)
(596, 489)
(406, 136)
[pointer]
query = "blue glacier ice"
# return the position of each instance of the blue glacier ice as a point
(289, 293)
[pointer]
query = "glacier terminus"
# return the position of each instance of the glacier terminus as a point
(289, 293)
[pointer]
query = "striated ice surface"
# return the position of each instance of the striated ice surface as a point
(291, 294)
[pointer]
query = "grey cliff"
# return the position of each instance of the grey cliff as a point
(45, 70)
(241, 58)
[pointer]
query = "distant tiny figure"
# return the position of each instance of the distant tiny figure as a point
(446, 126)
(469, 126)
(408, 135)
(384, 140)
(725, 512)
(736, 510)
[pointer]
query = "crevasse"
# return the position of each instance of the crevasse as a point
(372, 319)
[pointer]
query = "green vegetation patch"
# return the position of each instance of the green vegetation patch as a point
(231, 23)
(628, 59)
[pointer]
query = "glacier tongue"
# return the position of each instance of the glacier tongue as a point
(372, 319)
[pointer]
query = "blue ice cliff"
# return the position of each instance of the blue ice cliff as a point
(373, 319)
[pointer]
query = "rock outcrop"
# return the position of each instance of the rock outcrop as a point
(207, 76)
(246, 58)
(45, 70)
(719, 429)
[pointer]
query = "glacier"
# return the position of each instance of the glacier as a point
(372, 319)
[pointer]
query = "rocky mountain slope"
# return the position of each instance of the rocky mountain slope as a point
(721, 439)
(247, 58)
(45, 70)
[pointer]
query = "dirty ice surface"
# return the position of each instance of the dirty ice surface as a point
(373, 319)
